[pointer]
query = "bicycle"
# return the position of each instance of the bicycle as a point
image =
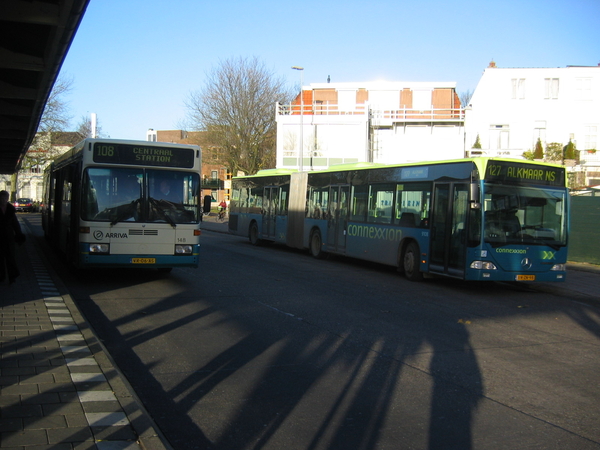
(222, 215)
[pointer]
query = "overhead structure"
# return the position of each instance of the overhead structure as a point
(35, 36)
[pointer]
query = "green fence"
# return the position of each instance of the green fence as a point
(584, 242)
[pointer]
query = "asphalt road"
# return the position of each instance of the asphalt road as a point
(267, 348)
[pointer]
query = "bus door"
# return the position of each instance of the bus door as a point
(269, 212)
(449, 228)
(337, 222)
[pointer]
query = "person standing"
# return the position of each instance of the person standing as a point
(10, 234)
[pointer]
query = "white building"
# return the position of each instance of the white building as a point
(512, 107)
(379, 122)
(42, 151)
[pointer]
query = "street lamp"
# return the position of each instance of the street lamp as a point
(301, 69)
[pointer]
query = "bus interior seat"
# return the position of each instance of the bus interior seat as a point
(407, 219)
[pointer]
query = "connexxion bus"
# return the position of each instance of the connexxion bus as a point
(117, 203)
(474, 219)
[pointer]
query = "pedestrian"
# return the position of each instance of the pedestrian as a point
(10, 235)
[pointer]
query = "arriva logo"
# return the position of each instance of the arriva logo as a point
(98, 235)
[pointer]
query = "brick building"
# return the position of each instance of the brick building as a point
(381, 122)
(216, 179)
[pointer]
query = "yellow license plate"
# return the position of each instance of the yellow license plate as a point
(143, 260)
(525, 277)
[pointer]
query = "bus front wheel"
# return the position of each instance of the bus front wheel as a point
(316, 245)
(411, 261)
(253, 234)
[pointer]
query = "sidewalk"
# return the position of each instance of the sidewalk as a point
(58, 387)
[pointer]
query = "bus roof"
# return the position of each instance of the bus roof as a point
(480, 162)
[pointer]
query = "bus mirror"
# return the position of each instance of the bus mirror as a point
(474, 196)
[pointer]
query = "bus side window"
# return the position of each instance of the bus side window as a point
(359, 203)
(381, 200)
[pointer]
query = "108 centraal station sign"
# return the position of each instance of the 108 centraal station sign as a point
(141, 155)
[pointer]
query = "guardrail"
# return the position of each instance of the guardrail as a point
(377, 114)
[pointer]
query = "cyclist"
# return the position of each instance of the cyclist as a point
(223, 210)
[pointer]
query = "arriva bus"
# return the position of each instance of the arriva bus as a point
(473, 219)
(117, 203)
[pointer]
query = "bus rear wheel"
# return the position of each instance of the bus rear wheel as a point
(253, 234)
(410, 261)
(316, 245)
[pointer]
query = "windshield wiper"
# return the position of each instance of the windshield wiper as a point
(125, 211)
(157, 206)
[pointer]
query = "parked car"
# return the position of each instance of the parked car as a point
(24, 205)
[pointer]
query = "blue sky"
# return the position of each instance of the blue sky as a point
(134, 62)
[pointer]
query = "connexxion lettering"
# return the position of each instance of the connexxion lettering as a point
(371, 232)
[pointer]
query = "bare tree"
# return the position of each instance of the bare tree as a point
(236, 111)
(56, 115)
(84, 128)
(465, 97)
(55, 119)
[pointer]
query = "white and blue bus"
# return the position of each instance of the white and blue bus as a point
(119, 203)
(474, 219)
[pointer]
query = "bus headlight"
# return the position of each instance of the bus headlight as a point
(559, 267)
(181, 249)
(483, 265)
(100, 249)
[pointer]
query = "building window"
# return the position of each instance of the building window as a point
(499, 137)
(591, 137)
(551, 88)
(518, 88)
(583, 88)
(214, 174)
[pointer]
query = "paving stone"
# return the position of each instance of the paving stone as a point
(37, 379)
(9, 400)
(8, 371)
(23, 438)
(42, 423)
(19, 389)
(123, 433)
(102, 407)
(7, 381)
(56, 387)
(40, 399)
(76, 420)
(62, 408)
(96, 396)
(22, 411)
(11, 424)
(74, 434)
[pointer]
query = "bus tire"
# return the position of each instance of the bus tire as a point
(315, 245)
(253, 234)
(411, 262)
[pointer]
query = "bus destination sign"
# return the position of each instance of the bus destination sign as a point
(143, 155)
(519, 173)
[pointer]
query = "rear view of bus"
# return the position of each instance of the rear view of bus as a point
(112, 203)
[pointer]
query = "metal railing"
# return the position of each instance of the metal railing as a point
(377, 114)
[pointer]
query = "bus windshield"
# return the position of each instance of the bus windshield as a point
(140, 195)
(524, 215)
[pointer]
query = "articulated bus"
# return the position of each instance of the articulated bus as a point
(118, 203)
(473, 219)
